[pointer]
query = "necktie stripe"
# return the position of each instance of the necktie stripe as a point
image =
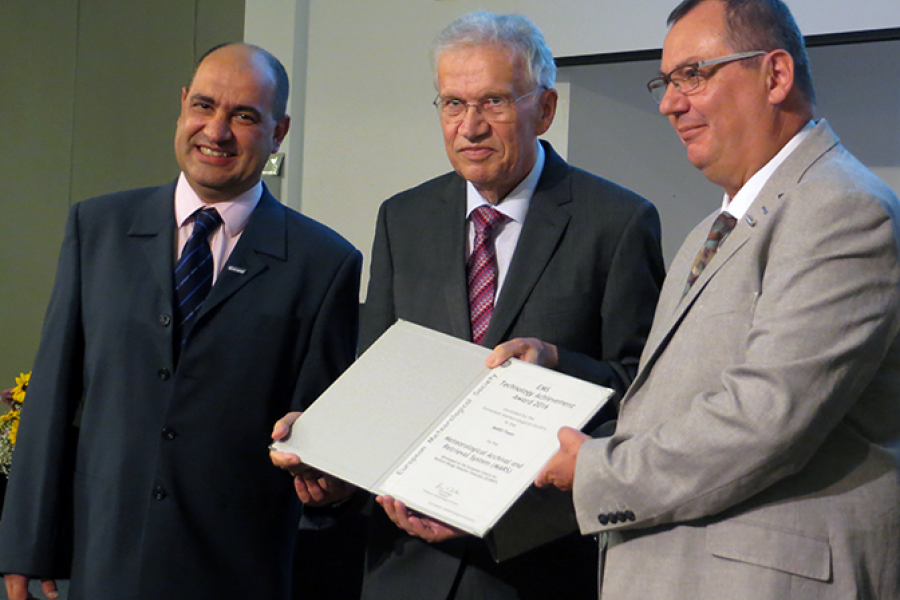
(186, 295)
(187, 276)
(187, 259)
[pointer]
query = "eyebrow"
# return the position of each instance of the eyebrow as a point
(690, 61)
(236, 109)
(486, 94)
(202, 98)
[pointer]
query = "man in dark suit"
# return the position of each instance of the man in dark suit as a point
(578, 266)
(166, 475)
(751, 457)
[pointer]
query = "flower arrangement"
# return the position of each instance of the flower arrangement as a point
(9, 422)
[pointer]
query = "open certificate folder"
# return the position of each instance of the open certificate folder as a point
(420, 418)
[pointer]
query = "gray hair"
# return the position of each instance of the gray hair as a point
(761, 25)
(516, 33)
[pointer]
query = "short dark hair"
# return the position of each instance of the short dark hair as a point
(761, 25)
(279, 73)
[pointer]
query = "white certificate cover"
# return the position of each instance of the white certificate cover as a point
(419, 417)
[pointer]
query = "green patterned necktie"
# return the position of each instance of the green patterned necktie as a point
(721, 227)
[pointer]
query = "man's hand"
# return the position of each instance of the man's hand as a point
(560, 470)
(314, 488)
(17, 587)
(530, 350)
(415, 524)
(285, 460)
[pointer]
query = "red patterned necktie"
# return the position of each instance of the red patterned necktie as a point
(482, 270)
(720, 229)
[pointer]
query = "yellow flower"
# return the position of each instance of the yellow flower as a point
(21, 387)
(14, 432)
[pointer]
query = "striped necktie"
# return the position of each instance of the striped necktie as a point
(482, 270)
(194, 272)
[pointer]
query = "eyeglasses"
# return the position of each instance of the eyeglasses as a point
(688, 78)
(495, 109)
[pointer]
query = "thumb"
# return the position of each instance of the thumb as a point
(568, 437)
(49, 588)
(283, 425)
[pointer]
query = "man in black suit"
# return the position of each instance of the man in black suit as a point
(578, 265)
(166, 474)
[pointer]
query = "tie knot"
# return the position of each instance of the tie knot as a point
(206, 220)
(486, 217)
(722, 226)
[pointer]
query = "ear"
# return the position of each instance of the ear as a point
(779, 75)
(547, 108)
(281, 130)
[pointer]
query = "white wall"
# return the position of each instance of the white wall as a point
(585, 27)
(280, 26)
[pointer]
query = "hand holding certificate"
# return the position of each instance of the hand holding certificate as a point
(420, 418)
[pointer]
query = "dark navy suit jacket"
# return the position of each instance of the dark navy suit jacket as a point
(167, 472)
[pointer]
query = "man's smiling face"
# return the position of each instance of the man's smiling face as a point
(226, 131)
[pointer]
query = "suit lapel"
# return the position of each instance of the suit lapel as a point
(153, 228)
(737, 238)
(672, 308)
(450, 256)
(785, 177)
(265, 234)
(544, 226)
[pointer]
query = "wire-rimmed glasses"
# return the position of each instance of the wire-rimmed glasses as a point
(494, 108)
(688, 78)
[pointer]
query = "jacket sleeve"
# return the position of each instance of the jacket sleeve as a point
(35, 531)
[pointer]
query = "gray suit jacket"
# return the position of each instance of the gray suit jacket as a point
(748, 458)
(174, 495)
(585, 276)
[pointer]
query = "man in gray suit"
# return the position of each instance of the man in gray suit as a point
(749, 459)
(166, 475)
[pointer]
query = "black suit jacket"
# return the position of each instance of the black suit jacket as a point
(585, 276)
(174, 494)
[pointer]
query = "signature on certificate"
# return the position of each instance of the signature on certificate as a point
(446, 491)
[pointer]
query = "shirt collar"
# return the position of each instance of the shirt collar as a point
(740, 204)
(515, 204)
(235, 212)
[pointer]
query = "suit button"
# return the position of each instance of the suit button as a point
(604, 519)
(159, 492)
(614, 518)
(164, 320)
(163, 374)
(629, 515)
(169, 433)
